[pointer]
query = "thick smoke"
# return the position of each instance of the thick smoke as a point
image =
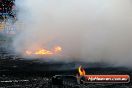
(88, 30)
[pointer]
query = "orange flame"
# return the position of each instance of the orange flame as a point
(81, 71)
(58, 49)
(44, 51)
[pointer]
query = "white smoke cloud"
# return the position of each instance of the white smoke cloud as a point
(88, 30)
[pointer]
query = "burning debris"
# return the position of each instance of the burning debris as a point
(44, 52)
